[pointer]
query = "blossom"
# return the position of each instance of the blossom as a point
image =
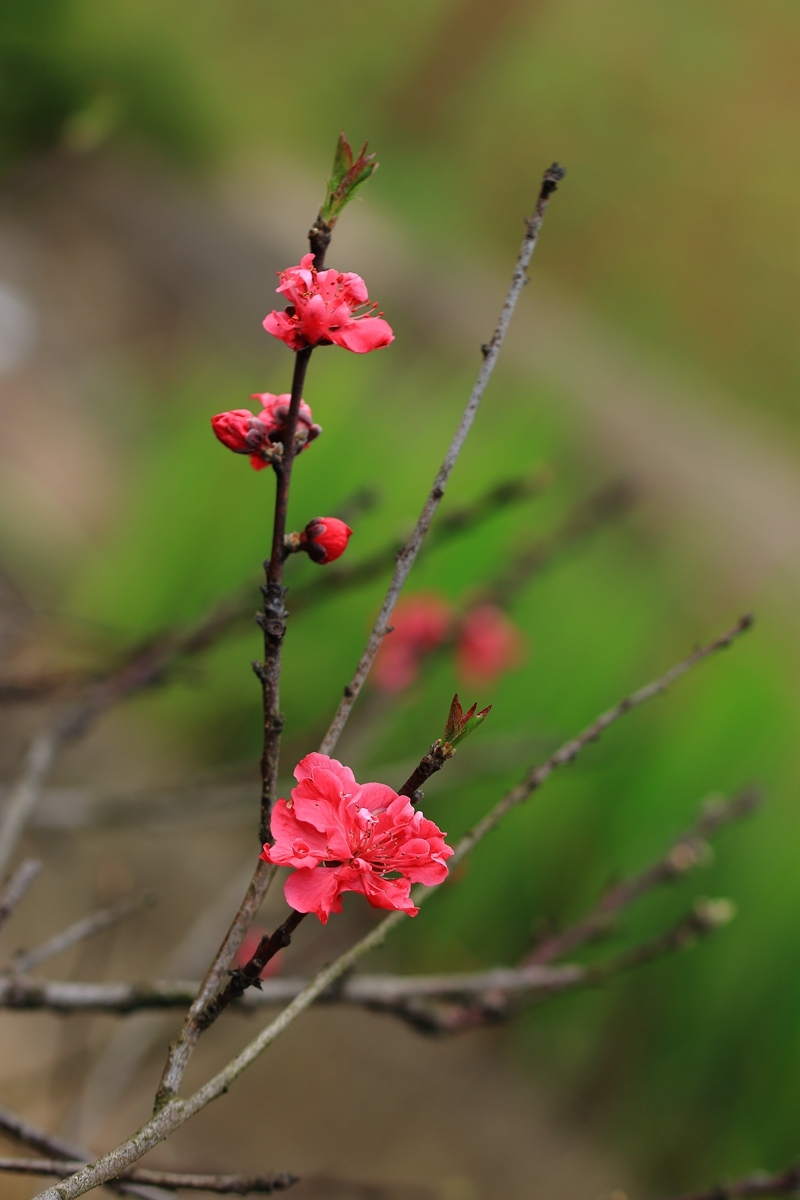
(323, 308)
(256, 435)
(325, 538)
(342, 836)
(488, 644)
(421, 623)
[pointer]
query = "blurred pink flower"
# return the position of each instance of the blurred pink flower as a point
(421, 623)
(342, 836)
(323, 308)
(488, 644)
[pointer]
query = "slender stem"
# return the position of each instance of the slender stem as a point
(57, 1147)
(237, 1185)
(85, 928)
(24, 795)
(17, 886)
(782, 1183)
(175, 1112)
(407, 556)
(250, 974)
(273, 619)
(688, 852)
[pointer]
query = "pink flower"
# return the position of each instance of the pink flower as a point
(421, 623)
(488, 644)
(342, 836)
(246, 433)
(325, 538)
(322, 309)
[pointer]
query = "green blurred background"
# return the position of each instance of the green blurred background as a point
(663, 313)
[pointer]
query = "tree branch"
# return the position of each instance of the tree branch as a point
(85, 928)
(407, 556)
(783, 1183)
(690, 850)
(176, 1111)
(17, 886)
(238, 1185)
(569, 751)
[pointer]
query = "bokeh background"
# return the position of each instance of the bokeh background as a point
(159, 162)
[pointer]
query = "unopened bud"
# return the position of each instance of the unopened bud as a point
(261, 435)
(325, 538)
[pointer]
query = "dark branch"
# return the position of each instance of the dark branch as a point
(250, 974)
(783, 1183)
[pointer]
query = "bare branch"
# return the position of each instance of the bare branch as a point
(780, 1184)
(407, 556)
(238, 1185)
(17, 886)
(85, 928)
(49, 1143)
(175, 1111)
(25, 793)
(690, 850)
(569, 751)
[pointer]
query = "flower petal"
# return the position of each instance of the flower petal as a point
(314, 891)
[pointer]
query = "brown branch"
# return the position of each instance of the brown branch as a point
(502, 1001)
(175, 1111)
(238, 1185)
(49, 1143)
(17, 886)
(689, 851)
(350, 575)
(570, 750)
(607, 504)
(85, 928)
(250, 974)
(763, 1184)
(273, 624)
(407, 556)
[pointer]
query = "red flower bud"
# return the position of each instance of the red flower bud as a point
(325, 538)
(256, 435)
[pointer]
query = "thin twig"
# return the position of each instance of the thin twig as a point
(407, 556)
(537, 776)
(175, 1111)
(469, 517)
(689, 851)
(170, 646)
(501, 1002)
(273, 624)
(250, 974)
(17, 886)
(25, 793)
(238, 1185)
(85, 928)
(763, 1184)
(49, 1143)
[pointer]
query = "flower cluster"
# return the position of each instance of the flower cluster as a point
(323, 309)
(487, 643)
(260, 435)
(342, 836)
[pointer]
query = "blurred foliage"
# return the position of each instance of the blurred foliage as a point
(678, 125)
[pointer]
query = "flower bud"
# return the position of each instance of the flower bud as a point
(325, 538)
(261, 435)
